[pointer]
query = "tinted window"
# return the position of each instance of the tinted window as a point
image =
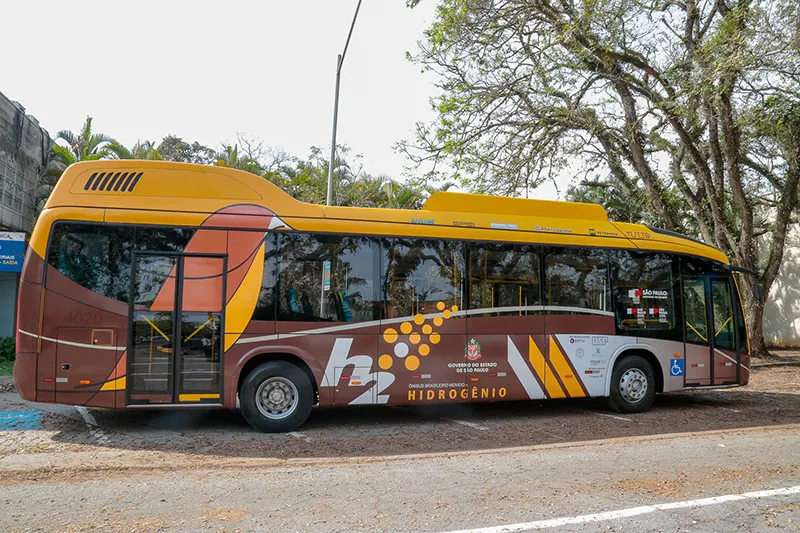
(422, 276)
(575, 280)
(643, 291)
(723, 315)
(504, 277)
(162, 239)
(741, 328)
(265, 307)
(93, 256)
(694, 305)
(327, 278)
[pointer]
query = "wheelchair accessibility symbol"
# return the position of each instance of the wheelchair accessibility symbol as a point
(676, 367)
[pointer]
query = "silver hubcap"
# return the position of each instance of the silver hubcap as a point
(633, 385)
(277, 398)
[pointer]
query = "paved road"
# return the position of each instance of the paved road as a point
(563, 466)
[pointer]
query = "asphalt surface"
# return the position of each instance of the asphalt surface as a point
(412, 469)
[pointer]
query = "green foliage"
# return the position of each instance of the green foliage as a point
(174, 148)
(7, 354)
(679, 113)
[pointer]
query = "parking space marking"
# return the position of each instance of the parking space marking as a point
(94, 428)
(473, 425)
(615, 417)
(632, 511)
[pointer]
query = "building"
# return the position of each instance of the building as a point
(782, 310)
(24, 159)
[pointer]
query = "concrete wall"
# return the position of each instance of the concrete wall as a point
(782, 312)
(24, 157)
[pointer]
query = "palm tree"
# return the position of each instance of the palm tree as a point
(230, 157)
(85, 146)
(140, 150)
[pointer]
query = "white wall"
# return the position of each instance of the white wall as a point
(782, 312)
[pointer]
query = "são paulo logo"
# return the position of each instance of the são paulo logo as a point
(472, 350)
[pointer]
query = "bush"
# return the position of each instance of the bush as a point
(8, 347)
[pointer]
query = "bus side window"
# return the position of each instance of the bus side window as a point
(96, 257)
(643, 292)
(576, 279)
(422, 276)
(327, 278)
(265, 306)
(504, 276)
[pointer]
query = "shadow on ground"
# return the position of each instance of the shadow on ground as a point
(382, 430)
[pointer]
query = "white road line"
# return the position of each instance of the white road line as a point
(473, 425)
(633, 511)
(94, 429)
(615, 417)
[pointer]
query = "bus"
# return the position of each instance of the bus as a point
(157, 285)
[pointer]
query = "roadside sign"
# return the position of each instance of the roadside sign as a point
(326, 275)
(12, 251)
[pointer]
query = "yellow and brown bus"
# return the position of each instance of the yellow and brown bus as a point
(161, 285)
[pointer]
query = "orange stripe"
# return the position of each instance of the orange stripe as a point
(543, 372)
(567, 374)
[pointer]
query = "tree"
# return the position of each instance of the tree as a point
(688, 108)
(173, 148)
(229, 157)
(140, 150)
(85, 146)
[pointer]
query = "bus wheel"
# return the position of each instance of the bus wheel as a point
(276, 396)
(633, 385)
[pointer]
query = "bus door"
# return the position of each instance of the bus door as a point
(175, 344)
(711, 356)
(698, 368)
(726, 357)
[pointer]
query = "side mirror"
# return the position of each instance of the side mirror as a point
(758, 292)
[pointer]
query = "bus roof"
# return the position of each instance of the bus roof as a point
(160, 192)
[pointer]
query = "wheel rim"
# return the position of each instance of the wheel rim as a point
(633, 385)
(277, 398)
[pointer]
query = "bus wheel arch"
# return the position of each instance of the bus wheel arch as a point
(635, 378)
(259, 356)
(277, 391)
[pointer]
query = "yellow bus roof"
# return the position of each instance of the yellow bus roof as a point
(159, 192)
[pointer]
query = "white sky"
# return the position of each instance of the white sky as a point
(205, 71)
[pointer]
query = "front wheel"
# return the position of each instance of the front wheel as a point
(276, 397)
(633, 385)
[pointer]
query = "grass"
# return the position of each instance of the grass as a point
(6, 367)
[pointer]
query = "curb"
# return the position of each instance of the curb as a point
(784, 363)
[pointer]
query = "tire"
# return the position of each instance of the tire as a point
(290, 390)
(627, 396)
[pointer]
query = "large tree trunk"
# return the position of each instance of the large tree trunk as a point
(755, 322)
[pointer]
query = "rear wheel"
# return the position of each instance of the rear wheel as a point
(276, 397)
(633, 385)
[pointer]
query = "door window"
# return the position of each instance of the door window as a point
(724, 336)
(694, 300)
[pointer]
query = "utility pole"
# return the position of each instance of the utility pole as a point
(339, 61)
